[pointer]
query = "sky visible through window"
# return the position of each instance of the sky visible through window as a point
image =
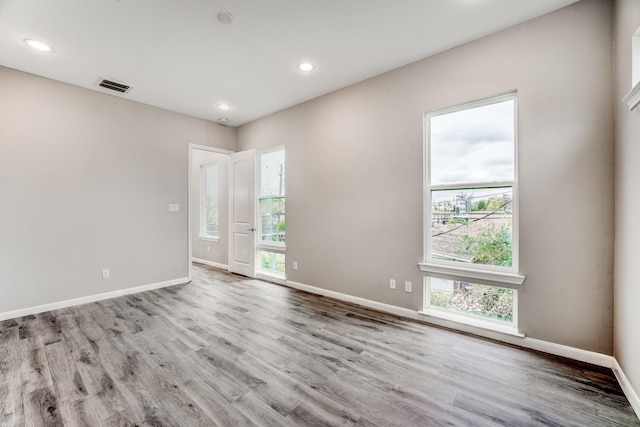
(472, 155)
(475, 145)
(272, 173)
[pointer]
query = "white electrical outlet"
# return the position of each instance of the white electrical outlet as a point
(295, 265)
(106, 274)
(173, 207)
(407, 286)
(208, 248)
(392, 283)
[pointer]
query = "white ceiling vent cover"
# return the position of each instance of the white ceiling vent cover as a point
(113, 85)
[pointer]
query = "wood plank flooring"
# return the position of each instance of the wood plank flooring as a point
(229, 351)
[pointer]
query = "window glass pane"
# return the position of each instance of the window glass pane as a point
(635, 58)
(272, 219)
(272, 173)
(487, 302)
(271, 261)
(210, 210)
(472, 225)
(473, 145)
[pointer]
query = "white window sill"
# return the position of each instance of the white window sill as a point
(271, 276)
(271, 247)
(472, 275)
(465, 319)
(633, 98)
(209, 238)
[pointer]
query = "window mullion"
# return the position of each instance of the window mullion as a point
(471, 185)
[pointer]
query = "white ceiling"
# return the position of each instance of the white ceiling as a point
(178, 56)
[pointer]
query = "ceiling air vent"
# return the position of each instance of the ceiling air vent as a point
(114, 85)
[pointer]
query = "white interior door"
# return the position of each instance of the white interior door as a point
(242, 213)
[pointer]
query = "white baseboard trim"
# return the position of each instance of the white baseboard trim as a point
(210, 263)
(627, 388)
(574, 353)
(91, 298)
(526, 342)
(380, 306)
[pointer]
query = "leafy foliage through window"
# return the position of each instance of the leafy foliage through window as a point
(272, 261)
(488, 302)
(472, 226)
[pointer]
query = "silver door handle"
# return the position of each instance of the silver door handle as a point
(251, 229)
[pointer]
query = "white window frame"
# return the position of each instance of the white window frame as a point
(632, 99)
(469, 318)
(261, 245)
(635, 58)
(507, 277)
(474, 273)
(203, 206)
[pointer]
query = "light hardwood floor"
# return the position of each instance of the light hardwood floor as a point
(224, 350)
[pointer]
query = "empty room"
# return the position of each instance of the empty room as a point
(319, 213)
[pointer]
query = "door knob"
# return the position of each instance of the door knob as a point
(251, 229)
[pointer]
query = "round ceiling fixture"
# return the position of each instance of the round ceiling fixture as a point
(38, 45)
(306, 66)
(223, 120)
(224, 107)
(225, 17)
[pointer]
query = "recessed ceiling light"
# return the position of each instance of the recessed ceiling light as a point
(225, 17)
(306, 66)
(38, 45)
(223, 120)
(223, 107)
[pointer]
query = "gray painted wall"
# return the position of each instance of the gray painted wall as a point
(354, 171)
(85, 180)
(85, 183)
(217, 251)
(627, 241)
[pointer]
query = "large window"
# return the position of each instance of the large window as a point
(271, 211)
(471, 208)
(209, 211)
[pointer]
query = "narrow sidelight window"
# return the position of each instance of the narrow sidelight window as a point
(271, 222)
(209, 201)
